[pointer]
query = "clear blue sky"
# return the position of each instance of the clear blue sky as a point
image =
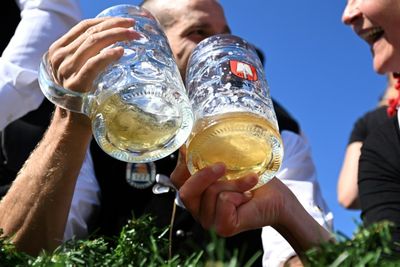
(316, 67)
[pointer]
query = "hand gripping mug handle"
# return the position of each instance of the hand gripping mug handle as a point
(58, 95)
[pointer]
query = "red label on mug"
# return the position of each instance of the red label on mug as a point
(243, 70)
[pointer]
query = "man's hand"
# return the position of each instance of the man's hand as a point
(181, 172)
(229, 206)
(77, 58)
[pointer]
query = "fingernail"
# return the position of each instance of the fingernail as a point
(132, 33)
(218, 168)
(248, 194)
(252, 179)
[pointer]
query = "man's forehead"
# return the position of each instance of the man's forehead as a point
(183, 14)
(197, 12)
(185, 7)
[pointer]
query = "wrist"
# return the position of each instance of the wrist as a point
(67, 125)
(71, 120)
(298, 227)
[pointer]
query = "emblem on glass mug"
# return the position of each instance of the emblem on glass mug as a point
(138, 106)
(235, 121)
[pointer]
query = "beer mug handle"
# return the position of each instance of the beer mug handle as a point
(58, 95)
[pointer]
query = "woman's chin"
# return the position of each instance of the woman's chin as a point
(383, 69)
(381, 65)
(379, 70)
(386, 61)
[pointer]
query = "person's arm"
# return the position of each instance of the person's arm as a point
(299, 228)
(42, 22)
(347, 184)
(229, 208)
(85, 202)
(35, 209)
(298, 173)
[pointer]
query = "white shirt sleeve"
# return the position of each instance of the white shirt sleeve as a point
(42, 22)
(299, 174)
(85, 201)
(398, 117)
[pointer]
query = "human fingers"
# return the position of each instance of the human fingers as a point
(83, 27)
(191, 191)
(65, 59)
(83, 79)
(181, 173)
(227, 221)
(89, 49)
(264, 208)
(101, 36)
(207, 210)
(69, 42)
(106, 24)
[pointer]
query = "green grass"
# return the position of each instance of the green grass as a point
(142, 244)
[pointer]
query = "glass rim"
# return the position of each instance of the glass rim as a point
(126, 10)
(217, 41)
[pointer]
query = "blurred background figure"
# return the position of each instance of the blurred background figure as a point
(347, 188)
(376, 22)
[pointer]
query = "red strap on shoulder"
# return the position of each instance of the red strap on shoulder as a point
(394, 102)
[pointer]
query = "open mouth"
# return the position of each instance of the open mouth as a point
(372, 35)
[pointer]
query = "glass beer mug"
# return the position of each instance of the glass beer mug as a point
(138, 106)
(235, 121)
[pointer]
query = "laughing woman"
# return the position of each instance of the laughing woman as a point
(378, 23)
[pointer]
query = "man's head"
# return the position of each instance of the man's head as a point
(186, 23)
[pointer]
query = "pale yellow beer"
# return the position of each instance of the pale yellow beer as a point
(245, 142)
(129, 128)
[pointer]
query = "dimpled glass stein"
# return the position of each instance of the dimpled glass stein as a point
(235, 121)
(138, 106)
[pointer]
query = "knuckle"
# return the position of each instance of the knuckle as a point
(52, 49)
(56, 57)
(182, 195)
(92, 30)
(69, 85)
(86, 23)
(91, 64)
(91, 38)
(63, 73)
(212, 190)
(76, 84)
